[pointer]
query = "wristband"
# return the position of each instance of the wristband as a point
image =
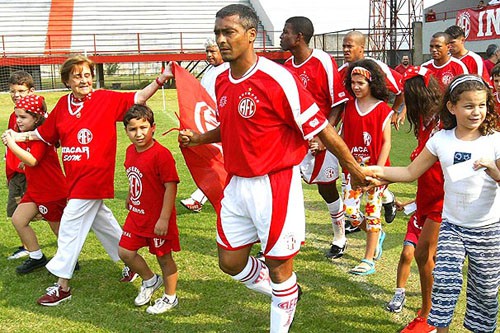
(158, 82)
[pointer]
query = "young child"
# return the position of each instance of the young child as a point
(367, 132)
(46, 191)
(471, 211)
(151, 221)
(423, 96)
(21, 84)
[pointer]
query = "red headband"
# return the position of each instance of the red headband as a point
(33, 104)
(415, 71)
(362, 71)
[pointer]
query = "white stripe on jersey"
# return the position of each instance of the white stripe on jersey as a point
(388, 73)
(287, 82)
(478, 60)
(431, 63)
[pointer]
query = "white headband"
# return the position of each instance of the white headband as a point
(463, 79)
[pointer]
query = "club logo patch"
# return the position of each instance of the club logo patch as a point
(460, 157)
(84, 136)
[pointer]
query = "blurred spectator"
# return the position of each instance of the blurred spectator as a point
(403, 66)
(492, 56)
(430, 16)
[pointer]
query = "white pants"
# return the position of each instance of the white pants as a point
(78, 218)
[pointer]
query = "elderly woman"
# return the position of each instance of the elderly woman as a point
(84, 123)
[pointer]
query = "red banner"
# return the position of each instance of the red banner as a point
(205, 162)
(480, 23)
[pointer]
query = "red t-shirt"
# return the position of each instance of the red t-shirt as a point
(393, 79)
(147, 172)
(401, 69)
(445, 73)
(11, 161)
(45, 181)
(265, 118)
(319, 74)
(475, 65)
(489, 65)
(364, 133)
(88, 141)
(430, 185)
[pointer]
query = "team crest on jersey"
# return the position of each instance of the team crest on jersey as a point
(446, 78)
(367, 139)
(84, 136)
(135, 183)
(248, 104)
(304, 78)
(42, 209)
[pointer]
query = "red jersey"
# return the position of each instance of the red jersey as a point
(393, 79)
(489, 65)
(364, 133)
(45, 181)
(88, 141)
(147, 172)
(265, 119)
(475, 65)
(320, 76)
(445, 73)
(11, 161)
(496, 97)
(430, 185)
(401, 69)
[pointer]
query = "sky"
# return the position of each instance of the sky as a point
(326, 15)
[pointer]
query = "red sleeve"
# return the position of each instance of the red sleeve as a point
(166, 166)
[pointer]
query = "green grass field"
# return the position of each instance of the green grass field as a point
(209, 301)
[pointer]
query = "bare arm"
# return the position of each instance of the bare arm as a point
(188, 138)
(143, 95)
(398, 118)
(161, 226)
(26, 157)
(334, 143)
(336, 114)
(406, 174)
(386, 146)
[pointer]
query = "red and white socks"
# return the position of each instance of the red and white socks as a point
(255, 276)
(283, 303)
(336, 210)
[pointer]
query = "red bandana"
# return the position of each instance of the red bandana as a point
(415, 71)
(33, 104)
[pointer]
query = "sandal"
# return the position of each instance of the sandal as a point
(366, 267)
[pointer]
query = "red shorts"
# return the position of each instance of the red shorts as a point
(157, 246)
(51, 211)
(413, 230)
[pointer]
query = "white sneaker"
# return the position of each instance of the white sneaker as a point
(20, 252)
(162, 305)
(146, 292)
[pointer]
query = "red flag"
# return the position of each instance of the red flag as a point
(197, 112)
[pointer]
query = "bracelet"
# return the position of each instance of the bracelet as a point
(158, 82)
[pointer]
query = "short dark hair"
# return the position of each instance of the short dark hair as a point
(22, 78)
(442, 34)
(303, 25)
(139, 111)
(491, 50)
(248, 17)
(455, 32)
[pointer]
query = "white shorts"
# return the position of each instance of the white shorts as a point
(269, 209)
(323, 168)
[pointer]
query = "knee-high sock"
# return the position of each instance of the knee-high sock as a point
(255, 276)
(336, 210)
(283, 304)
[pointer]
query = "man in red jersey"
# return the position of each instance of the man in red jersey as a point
(443, 66)
(471, 60)
(404, 65)
(266, 117)
(318, 72)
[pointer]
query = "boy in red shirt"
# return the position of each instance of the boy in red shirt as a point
(150, 222)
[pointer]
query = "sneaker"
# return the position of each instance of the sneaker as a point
(390, 211)
(349, 228)
(397, 302)
(30, 264)
(21, 252)
(162, 305)
(192, 205)
(54, 296)
(128, 275)
(145, 294)
(419, 325)
(379, 249)
(336, 252)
